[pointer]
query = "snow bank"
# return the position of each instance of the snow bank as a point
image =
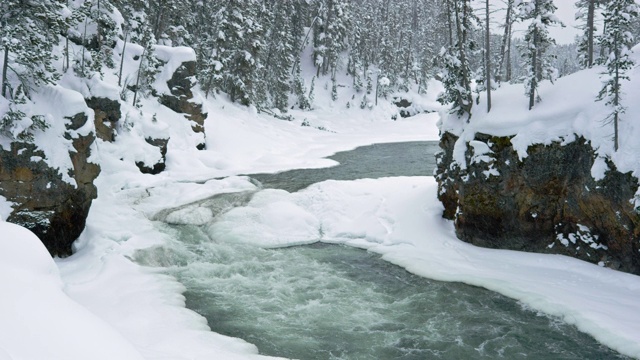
(142, 304)
(39, 321)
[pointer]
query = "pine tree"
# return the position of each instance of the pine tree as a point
(28, 32)
(148, 67)
(238, 45)
(540, 15)
(455, 62)
(280, 53)
(167, 19)
(299, 89)
(586, 13)
(618, 19)
(330, 33)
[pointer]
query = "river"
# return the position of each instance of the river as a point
(326, 301)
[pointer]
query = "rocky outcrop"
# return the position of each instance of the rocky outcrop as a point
(158, 167)
(547, 202)
(44, 202)
(181, 99)
(407, 108)
(107, 114)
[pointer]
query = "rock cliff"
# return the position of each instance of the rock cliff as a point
(547, 202)
(43, 201)
(54, 202)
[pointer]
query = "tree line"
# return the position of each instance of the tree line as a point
(254, 50)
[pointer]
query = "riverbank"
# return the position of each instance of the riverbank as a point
(399, 218)
(143, 304)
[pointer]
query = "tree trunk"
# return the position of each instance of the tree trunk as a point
(84, 46)
(156, 23)
(590, 29)
(99, 25)
(65, 62)
(135, 92)
(449, 22)
(534, 68)
(602, 48)
(488, 57)
(124, 48)
(534, 62)
(616, 94)
(5, 66)
(506, 42)
(461, 20)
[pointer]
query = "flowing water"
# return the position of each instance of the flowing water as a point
(334, 302)
(373, 161)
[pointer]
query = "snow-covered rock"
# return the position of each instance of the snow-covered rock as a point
(52, 201)
(549, 174)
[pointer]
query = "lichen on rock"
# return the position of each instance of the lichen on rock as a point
(547, 202)
(43, 201)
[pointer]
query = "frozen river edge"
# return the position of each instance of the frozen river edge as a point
(148, 310)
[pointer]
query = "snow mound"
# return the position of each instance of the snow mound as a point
(39, 320)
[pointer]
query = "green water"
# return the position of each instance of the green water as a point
(373, 161)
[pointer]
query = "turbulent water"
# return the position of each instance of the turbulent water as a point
(334, 302)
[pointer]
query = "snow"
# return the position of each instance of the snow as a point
(99, 304)
(40, 321)
(6, 207)
(399, 218)
(568, 108)
(173, 57)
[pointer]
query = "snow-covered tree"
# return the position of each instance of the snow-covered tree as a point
(456, 74)
(148, 67)
(330, 33)
(618, 19)
(299, 89)
(540, 16)
(28, 32)
(280, 53)
(239, 42)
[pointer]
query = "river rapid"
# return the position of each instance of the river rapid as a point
(325, 301)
